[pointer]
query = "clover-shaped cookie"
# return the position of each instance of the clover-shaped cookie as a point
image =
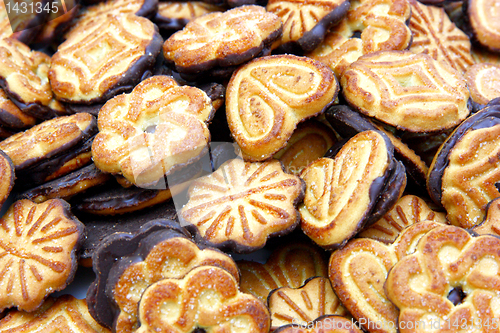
(38, 250)
(288, 266)
(107, 56)
(300, 306)
(451, 283)
(152, 131)
(382, 24)
(206, 298)
(220, 41)
(241, 204)
(358, 272)
(409, 91)
(269, 96)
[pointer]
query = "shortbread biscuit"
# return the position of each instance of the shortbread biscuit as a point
(464, 172)
(242, 204)
(382, 25)
(410, 91)
(105, 57)
(300, 306)
(11, 116)
(266, 98)
(206, 298)
(62, 314)
(218, 42)
(409, 210)
(39, 245)
(288, 266)
(310, 141)
(7, 177)
(157, 128)
(483, 81)
(174, 15)
(434, 34)
(305, 23)
(341, 193)
(482, 20)
(359, 270)
(450, 282)
(324, 324)
(491, 222)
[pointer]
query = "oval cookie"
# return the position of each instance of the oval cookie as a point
(483, 81)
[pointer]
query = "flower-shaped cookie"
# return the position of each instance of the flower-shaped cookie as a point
(150, 132)
(222, 39)
(38, 246)
(206, 298)
(241, 204)
(450, 284)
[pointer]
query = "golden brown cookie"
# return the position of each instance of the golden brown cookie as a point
(104, 58)
(300, 306)
(206, 298)
(382, 24)
(436, 35)
(11, 116)
(218, 42)
(242, 204)
(305, 23)
(288, 266)
(310, 141)
(482, 19)
(39, 244)
(409, 91)
(491, 222)
(359, 270)
(409, 210)
(341, 193)
(483, 81)
(62, 314)
(174, 15)
(451, 282)
(157, 128)
(324, 324)
(268, 97)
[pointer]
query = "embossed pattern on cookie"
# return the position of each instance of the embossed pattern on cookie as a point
(409, 91)
(241, 204)
(38, 244)
(434, 34)
(208, 298)
(483, 81)
(300, 306)
(269, 96)
(483, 19)
(158, 127)
(409, 210)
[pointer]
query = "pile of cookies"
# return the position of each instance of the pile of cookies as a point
(355, 143)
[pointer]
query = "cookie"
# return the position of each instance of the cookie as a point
(266, 98)
(310, 141)
(289, 265)
(409, 210)
(436, 35)
(324, 324)
(359, 270)
(104, 58)
(347, 123)
(174, 15)
(342, 192)
(45, 148)
(67, 186)
(380, 26)
(62, 314)
(10, 115)
(242, 204)
(216, 43)
(305, 24)
(300, 306)
(483, 23)
(491, 222)
(39, 245)
(412, 92)
(483, 82)
(450, 282)
(464, 172)
(157, 128)
(7, 177)
(206, 298)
